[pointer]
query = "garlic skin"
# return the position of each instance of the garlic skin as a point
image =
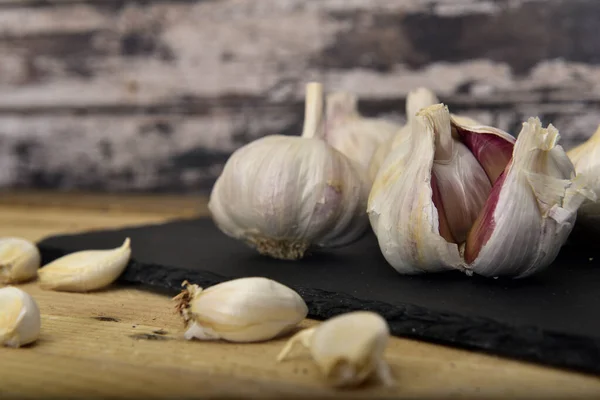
(586, 159)
(84, 271)
(416, 99)
(283, 195)
(432, 208)
(353, 135)
(19, 260)
(348, 349)
(241, 310)
(19, 318)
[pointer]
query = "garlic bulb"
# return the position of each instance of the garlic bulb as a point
(415, 100)
(241, 310)
(283, 194)
(471, 198)
(586, 159)
(355, 136)
(19, 318)
(348, 349)
(85, 271)
(19, 260)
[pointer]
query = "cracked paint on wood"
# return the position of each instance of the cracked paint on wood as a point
(155, 95)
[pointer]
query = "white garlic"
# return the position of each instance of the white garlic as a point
(19, 318)
(348, 349)
(85, 271)
(471, 198)
(19, 260)
(241, 310)
(415, 100)
(283, 195)
(355, 136)
(586, 159)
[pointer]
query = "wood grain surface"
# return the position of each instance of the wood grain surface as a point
(124, 342)
(154, 95)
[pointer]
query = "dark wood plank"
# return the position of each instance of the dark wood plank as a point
(155, 95)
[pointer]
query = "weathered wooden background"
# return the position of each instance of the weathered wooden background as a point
(154, 95)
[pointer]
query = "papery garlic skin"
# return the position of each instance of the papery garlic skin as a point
(84, 271)
(512, 225)
(350, 133)
(241, 310)
(415, 100)
(20, 320)
(19, 260)
(348, 349)
(283, 195)
(586, 160)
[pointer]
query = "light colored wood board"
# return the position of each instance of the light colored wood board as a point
(142, 204)
(107, 362)
(78, 342)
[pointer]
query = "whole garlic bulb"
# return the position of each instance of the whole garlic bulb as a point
(473, 198)
(284, 194)
(241, 310)
(19, 318)
(355, 136)
(348, 349)
(415, 100)
(19, 260)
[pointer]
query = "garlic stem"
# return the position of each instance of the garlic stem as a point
(313, 110)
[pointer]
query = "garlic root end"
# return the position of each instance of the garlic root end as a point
(279, 249)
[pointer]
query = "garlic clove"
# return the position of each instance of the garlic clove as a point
(19, 260)
(19, 318)
(513, 225)
(85, 271)
(541, 196)
(305, 195)
(241, 310)
(348, 349)
(355, 136)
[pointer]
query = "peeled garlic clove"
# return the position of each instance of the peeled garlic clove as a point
(19, 318)
(241, 310)
(84, 271)
(348, 349)
(283, 195)
(471, 198)
(355, 136)
(19, 260)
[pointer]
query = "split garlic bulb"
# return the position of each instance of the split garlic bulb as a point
(348, 349)
(84, 271)
(474, 199)
(19, 318)
(415, 100)
(19, 260)
(241, 310)
(355, 136)
(284, 194)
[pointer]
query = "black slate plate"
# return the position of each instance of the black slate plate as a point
(551, 318)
